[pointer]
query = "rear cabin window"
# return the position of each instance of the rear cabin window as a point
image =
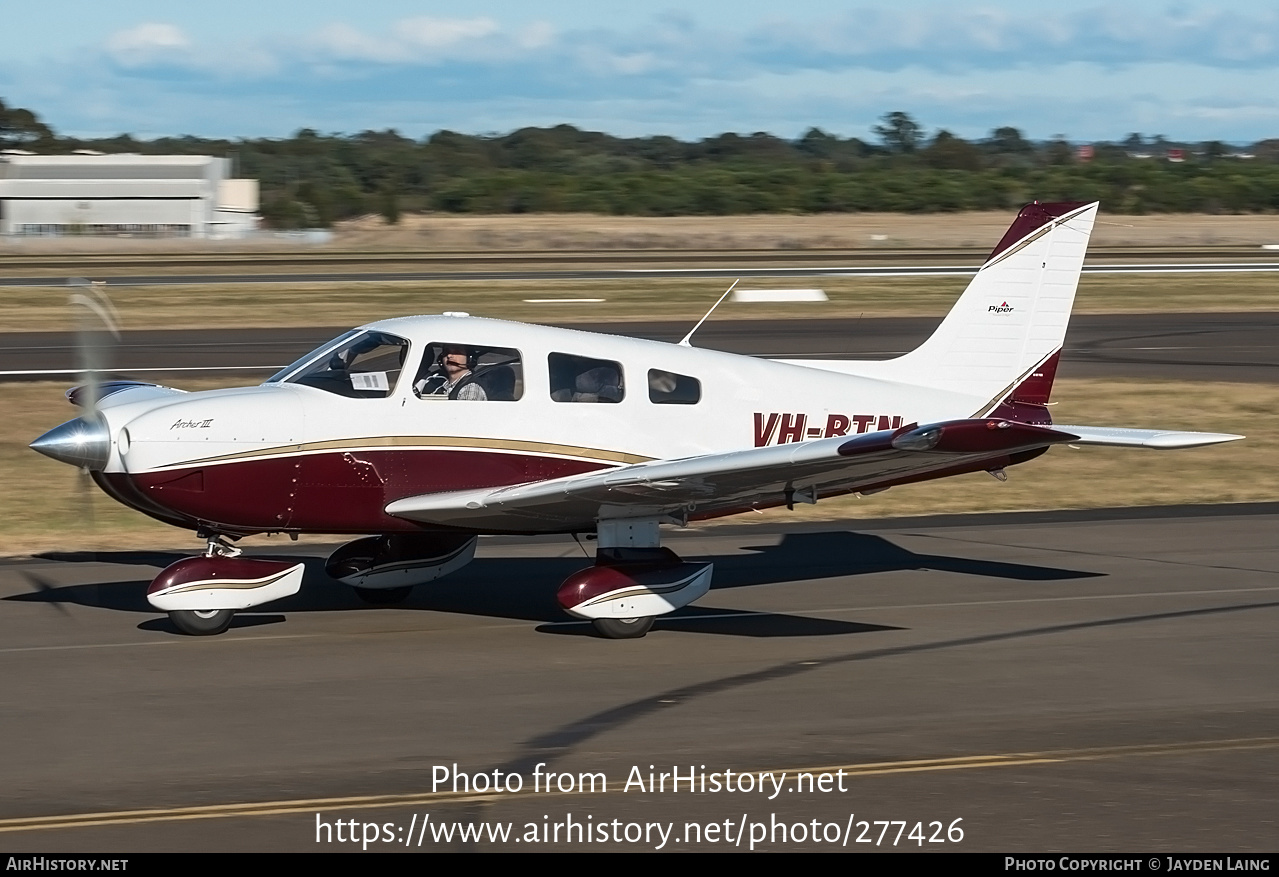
(668, 388)
(469, 373)
(581, 379)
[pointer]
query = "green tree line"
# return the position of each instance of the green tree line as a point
(314, 179)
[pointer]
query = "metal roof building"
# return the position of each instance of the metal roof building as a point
(138, 195)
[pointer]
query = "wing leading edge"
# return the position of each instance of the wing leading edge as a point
(718, 484)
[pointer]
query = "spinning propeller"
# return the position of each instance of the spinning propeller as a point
(85, 442)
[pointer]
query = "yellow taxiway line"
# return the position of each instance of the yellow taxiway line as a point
(369, 802)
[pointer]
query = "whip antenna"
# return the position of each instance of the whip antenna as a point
(685, 343)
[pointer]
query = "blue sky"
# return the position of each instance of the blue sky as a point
(1187, 70)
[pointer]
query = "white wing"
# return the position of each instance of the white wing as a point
(736, 481)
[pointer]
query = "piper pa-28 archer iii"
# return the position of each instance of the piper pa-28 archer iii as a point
(417, 434)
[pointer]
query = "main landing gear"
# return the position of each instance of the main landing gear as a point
(634, 580)
(382, 570)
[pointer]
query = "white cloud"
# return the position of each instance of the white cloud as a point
(443, 33)
(342, 42)
(422, 40)
(1195, 71)
(147, 43)
(971, 37)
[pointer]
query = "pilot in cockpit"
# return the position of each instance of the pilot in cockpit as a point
(451, 375)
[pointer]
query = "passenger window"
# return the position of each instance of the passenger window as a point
(668, 388)
(580, 379)
(469, 373)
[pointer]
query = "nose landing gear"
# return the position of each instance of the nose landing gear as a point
(202, 594)
(201, 622)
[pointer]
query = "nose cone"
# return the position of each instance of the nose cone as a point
(83, 442)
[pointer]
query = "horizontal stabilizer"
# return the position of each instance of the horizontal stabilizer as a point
(1161, 439)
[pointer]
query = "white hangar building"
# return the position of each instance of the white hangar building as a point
(137, 195)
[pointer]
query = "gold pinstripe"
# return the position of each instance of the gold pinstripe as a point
(362, 444)
(228, 584)
(639, 591)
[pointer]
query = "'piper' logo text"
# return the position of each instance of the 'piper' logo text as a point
(781, 429)
(192, 424)
(1000, 309)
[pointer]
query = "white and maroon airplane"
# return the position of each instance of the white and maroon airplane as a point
(419, 433)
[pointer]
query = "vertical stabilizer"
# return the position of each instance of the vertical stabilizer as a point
(1012, 318)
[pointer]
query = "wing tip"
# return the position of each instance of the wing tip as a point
(1191, 439)
(1157, 439)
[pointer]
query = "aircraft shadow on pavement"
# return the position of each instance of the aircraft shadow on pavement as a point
(159, 559)
(828, 555)
(524, 588)
(732, 622)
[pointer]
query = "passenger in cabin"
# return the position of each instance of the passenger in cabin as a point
(600, 384)
(583, 379)
(455, 367)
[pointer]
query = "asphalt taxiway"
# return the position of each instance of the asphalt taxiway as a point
(1083, 681)
(1204, 346)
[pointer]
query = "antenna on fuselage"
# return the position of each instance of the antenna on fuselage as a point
(685, 343)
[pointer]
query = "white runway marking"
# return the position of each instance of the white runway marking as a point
(188, 368)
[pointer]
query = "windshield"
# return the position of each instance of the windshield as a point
(314, 354)
(361, 364)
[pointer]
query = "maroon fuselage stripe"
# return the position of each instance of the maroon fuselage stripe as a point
(338, 491)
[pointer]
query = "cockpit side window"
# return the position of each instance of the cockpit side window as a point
(365, 365)
(581, 379)
(469, 373)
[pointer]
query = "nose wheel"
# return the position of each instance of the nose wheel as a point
(202, 594)
(623, 628)
(202, 622)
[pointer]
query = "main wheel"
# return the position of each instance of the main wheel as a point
(202, 622)
(384, 596)
(623, 628)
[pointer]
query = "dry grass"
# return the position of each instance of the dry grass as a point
(580, 232)
(772, 231)
(44, 510)
(327, 304)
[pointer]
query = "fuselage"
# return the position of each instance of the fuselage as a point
(324, 446)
